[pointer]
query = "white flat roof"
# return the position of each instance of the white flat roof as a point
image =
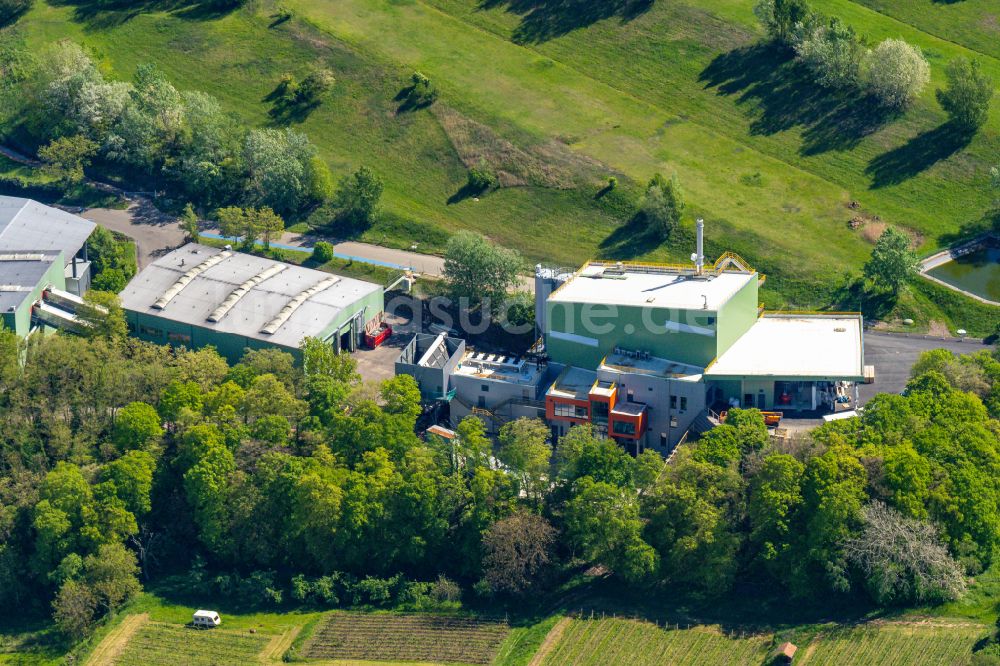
(602, 284)
(258, 303)
(793, 346)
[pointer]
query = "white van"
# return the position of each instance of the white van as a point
(206, 619)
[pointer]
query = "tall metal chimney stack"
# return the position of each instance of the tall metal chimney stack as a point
(699, 262)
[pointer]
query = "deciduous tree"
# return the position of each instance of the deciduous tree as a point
(479, 270)
(966, 98)
(892, 262)
(516, 552)
(895, 73)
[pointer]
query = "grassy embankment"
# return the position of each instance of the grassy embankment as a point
(682, 87)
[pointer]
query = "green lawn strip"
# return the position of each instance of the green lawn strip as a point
(571, 636)
(522, 643)
(957, 310)
(974, 24)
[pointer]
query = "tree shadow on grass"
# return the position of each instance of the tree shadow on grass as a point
(629, 240)
(467, 191)
(854, 296)
(103, 14)
(988, 223)
(286, 107)
(917, 155)
(409, 100)
(783, 95)
(542, 20)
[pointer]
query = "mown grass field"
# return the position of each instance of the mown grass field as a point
(156, 644)
(240, 60)
(687, 87)
(404, 637)
(565, 97)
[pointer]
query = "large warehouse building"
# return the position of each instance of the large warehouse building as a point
(199, 295)
(646, 353)
(43, 252)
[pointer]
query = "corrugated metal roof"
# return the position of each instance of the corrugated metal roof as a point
(20, 275)
(26, 225)
(259, 302)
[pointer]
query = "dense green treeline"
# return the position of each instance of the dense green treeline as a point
(272, 480)
(150, 134)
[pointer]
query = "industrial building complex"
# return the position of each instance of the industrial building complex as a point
(199, 295)
(43, 265)
(646, 353)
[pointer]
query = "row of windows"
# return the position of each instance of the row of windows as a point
(569, 411)
(624, 428)
(150, 331)
(153, 332)
(630, 397)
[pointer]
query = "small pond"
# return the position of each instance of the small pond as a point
(977, 272)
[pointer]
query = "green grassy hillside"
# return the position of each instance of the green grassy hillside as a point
(560, 96)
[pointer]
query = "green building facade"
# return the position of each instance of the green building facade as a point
(162, 330)
(44, 273)
(582, 334)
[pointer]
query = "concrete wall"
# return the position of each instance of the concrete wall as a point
(737, 316)
(687, 336)
(663, 397)
(755, 387)
(498, 397)
(164, 331)
(433, 382)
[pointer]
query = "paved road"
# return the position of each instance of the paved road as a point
(894, 355)
(157, 233)
(154, 233)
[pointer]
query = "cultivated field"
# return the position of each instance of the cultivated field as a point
(614, 642)
(894, 644)
(156, 644)
(391, 637)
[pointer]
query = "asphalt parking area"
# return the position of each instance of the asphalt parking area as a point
(894, 355)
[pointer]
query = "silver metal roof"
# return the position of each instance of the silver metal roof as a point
(242, 294)
(26, 224)
(20, 273)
